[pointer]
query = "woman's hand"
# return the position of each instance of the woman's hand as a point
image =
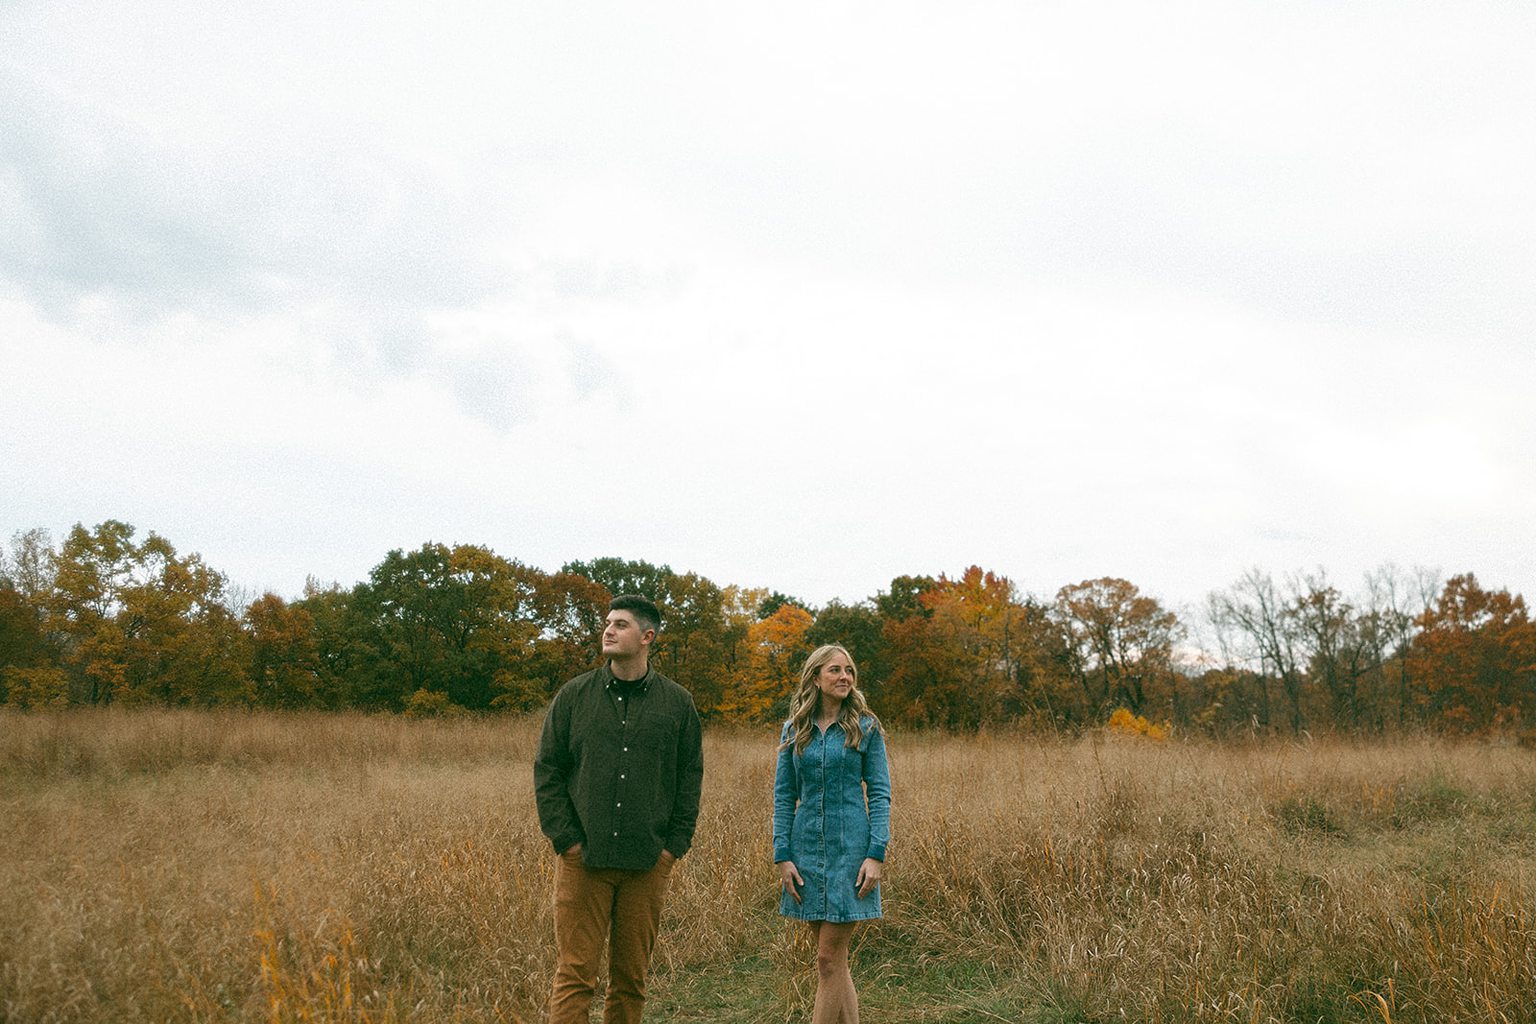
(789, 879)
(869, 876)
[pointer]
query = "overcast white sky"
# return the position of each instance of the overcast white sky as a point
(795, 295)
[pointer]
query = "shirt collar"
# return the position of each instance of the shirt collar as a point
(612, 681)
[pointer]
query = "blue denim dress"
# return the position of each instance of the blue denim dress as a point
(831, 809)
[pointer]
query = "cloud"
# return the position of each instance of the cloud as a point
(816, 295)
(110, 208)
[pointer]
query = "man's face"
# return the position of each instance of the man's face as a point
(623, 637)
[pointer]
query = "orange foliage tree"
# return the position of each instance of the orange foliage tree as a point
(955, 660)
(1475, 658)
(775, 649)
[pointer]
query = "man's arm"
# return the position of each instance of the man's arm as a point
(553, 767)
(690, 781)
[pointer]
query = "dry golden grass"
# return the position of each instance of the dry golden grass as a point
(174, 866)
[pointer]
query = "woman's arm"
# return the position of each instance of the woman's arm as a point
(786, 786)
(877, 793)
(785, 790)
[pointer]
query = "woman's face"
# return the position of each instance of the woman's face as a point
(835, 678)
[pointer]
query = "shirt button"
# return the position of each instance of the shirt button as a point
(619, 804)
(615, 834)
(626, 750)
(621, 776)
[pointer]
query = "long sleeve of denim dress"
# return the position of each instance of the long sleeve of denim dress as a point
(832, 809)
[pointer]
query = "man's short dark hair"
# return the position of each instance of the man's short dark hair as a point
(646, 614)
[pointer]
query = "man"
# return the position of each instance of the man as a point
(617, 778)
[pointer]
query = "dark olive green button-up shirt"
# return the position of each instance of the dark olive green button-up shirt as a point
(622, 781)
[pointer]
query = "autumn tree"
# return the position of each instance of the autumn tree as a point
(26, 655)
(28, 676)
(905, 598)
(955, 657)
(738, 610)
(21, 630)
(1396, 603)
(111, 617)
(185, 644)
(1336, 643)
(1119, 643)
(286, 668)
(139, 623)
(89, 574)
(343, 641)
(1476, 656)
(28, 567)
(776, 647)
(570, 611)
(31, 673)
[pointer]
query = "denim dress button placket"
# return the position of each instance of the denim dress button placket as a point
(824, 861)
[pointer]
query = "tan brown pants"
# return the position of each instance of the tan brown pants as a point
(622, 908)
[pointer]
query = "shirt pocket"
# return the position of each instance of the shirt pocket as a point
(655, 732)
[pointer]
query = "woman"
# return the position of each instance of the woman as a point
(831, 820)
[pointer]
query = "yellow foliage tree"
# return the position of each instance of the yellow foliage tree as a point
(776, 647)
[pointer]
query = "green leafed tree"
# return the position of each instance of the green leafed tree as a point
(459, 621)
(622, 576)
(776, 600)
(696, 643)
(860, 629)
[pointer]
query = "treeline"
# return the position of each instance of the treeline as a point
(105, 618)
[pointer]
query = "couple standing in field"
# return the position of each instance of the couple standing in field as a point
(617, 779)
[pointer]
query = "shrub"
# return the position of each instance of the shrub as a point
(44, 687)
(430, 704)
(1123, 723)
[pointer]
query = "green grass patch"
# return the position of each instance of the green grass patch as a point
(755, 990)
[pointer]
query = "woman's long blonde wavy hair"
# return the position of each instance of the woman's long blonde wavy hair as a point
(806, 703)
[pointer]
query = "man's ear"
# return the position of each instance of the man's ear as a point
(648, 637)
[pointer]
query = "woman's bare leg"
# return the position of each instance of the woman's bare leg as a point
(836, 1001)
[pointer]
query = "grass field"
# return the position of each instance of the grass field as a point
(178, 866)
